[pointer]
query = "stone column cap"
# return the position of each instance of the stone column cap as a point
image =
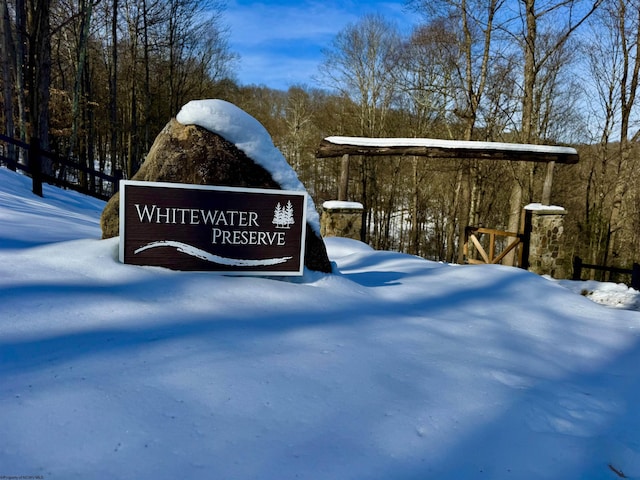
(541, 209)
(342, 205)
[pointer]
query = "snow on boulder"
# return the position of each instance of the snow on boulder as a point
(248, 134)
(213, 142)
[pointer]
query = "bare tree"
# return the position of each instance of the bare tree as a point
(299, 122)
(8, 61)
(86, 8)
(21, 61)
(359, 66)
(427, 91)
(615, 67)
(542, 30)
(113, 89)
(39, 76)
(469, 47)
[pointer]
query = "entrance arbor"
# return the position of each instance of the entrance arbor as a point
(346, 147)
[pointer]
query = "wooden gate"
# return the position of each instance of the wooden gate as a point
(484, 243)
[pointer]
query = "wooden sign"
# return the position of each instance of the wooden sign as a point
(235, 231)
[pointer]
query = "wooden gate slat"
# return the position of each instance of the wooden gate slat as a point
(511, 246)
(481, 251)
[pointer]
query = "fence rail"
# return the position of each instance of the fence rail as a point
(64, 172)
(578, 266)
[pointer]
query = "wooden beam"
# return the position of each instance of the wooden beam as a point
(450, 149)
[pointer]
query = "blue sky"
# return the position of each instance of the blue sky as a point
(280, 42)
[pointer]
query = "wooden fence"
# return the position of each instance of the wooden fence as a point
(578, 266)
(66, 173)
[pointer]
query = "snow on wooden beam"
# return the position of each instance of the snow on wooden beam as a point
(435, 148)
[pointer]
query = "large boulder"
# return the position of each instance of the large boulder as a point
(194, 155)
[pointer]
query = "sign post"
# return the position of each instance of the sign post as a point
(229, 230)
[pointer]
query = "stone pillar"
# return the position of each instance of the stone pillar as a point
(546, 256)
(341, 219)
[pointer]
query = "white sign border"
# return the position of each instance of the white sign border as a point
(267, 191)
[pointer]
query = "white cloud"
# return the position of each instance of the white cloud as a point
(252, 25)
(277, 71)
(280, 44)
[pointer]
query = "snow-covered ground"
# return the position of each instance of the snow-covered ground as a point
(393, 368)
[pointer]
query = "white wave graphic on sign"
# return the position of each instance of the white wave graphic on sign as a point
(209, 257)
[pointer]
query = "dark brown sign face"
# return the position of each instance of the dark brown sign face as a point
(238, 231)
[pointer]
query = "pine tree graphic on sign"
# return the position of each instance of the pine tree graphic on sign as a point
(283, 216)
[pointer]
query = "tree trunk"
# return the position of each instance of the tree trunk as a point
(86, 8)
(132, 136)
(451, 225)
(40, 75)
(343, 188)
(465, 207)
(415, 216)
(20, 65)
(548, 183)
(113, 90)
(8, 60)
(147, 78)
